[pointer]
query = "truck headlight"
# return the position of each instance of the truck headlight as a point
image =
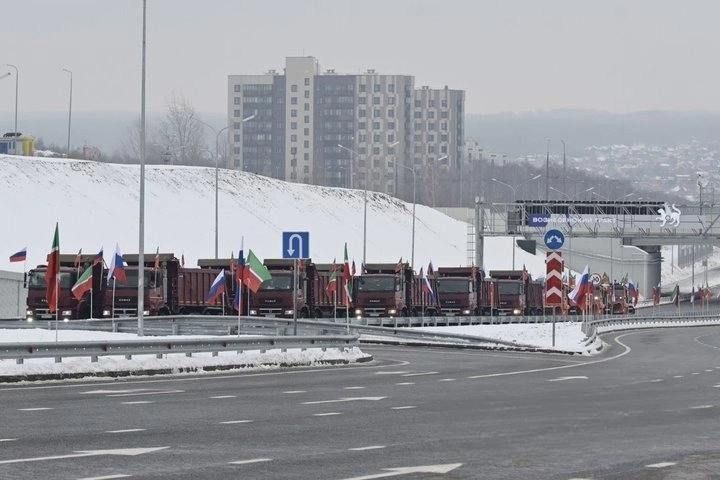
(358, 311)
(28, 313)
(466, 312)
(289, 312)
(29, 319)
(516, 311)
(66, 313)
(253, 312)
(392, 311)
(106, 313)
(146, 312)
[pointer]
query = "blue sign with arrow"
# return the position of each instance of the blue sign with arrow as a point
(554, 239)
(296, 245)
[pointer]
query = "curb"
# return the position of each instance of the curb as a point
(413, 343)
(171, 371)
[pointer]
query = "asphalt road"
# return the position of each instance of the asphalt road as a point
(646, 409)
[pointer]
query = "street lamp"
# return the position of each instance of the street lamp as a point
(561, 193)
(141, 221)
(217, 173)
(547, 171)
(17, 80)
(69, 110)
(412, 247)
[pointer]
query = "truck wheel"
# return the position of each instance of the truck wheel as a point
(303, 313)
(318, 313)
(404, 312)
(164, 311)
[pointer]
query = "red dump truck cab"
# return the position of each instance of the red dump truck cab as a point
(328, 304)
(37, 307)
(275, 296)
(384, 290)
(515, 293)
(459, 291)
(617, 304)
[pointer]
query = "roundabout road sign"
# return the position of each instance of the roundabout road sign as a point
(554, 239)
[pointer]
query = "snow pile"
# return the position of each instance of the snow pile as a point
(170, 363)
(568, 335)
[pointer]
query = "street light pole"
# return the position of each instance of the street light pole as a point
(412, 247)
(141, 223)
(564, 168)
(547, 171)
(69, 111)
(17, 83)
(352, 154)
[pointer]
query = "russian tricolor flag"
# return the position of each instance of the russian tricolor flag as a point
(117, 266)
(20, 256)
(582, 288)
(427, 288)
(633, 291)
(217, 288)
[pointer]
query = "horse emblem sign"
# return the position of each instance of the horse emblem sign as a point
(669, 215)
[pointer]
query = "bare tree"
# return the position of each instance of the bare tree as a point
(129, 152)
(182, 133)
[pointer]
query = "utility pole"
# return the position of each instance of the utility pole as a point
(564, 168)
(17, 84)
(141, 226)
(547, 171)
(69, 111)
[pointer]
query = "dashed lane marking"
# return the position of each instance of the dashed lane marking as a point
(137, 394)
(217, 397)
(232, 422)
(678, 376)
(404, 407)
(446, 380)
(695, 373)
(562, 379)
(419, 374)
(34, 409)
(701, 407)
(370, 447)
(656, 380)
(398, 372)
(405, 383)
(252, 460)
(137, 402)
(8, 439)
(127, 430)
(106, 477)
(295, 391)
(661, 465)
(353, 388)
(709, 370)
(326, 414)
(345, 399)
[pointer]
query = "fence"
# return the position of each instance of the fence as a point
(12, 295)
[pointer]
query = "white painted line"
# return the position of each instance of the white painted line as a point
(164, 392)
(660, 465)
(137, 402)
(656, 380)
(362, 449)
(405, 407)
(345, 399)
(353, 388)
(106, 477)
(446, 380)
(392, 373)
(105, 392)
(562, 379)
(701, 407)
(407, 471)
(8, 439)
(224, 396)
(405, 383)
(326, 414)
(708, 370)
(678, 376)
(252, 460)
(419, 374)
(129, 430)
(296, 391)
(124, 452)
(35, 409)
(232, 422)
(695, 373)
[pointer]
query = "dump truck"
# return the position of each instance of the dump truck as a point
(515, 293)
(462, 291)
(275, 296)
(391, 290)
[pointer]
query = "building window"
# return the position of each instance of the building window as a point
(362, 138)
(376, 125)
(418, 137)
(362, 113)
(307, 119)
(307, 107)
(418, 149)
(293, 138)
(293, 88)
(376, 87)
(391, 138)
(236, 150)
(293, 113)
(237, 88)
(362, 125)
(443, 125)
(363, 88)
(236, 125)
(444, 103)
(236, 113)
(418, 114)
(431, 114)
(238, 100)
(431, 103)
(306, 169)
(306, 144)
(431, 138)
(418, 104)
(444, 137)
(293, 150)
(391, 112)
(431, 148)
(307, 93)
(362, 150)
(418, 125)
(293, 100)
(443, 114)
(376, 150)
(390, 151)
(293, 125)
(307, 81)
(431, 125)
(391, 125)
(391, 87)
(236, 137)
(306, 156)
(306, 131)
(376, 100)
(376, 163)
(376, 138)
(391, 101)
(376, 113)
(443, 149)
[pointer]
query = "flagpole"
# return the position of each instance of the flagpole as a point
(91, 297)
(335, 302)
(113, 298)
(57, 298)
(223, 301)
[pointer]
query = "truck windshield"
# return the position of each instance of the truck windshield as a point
(278, 282)
(454, 285)
(132, 279)
(508, 288)
(376, 284)
(36, 279)
(619, 291)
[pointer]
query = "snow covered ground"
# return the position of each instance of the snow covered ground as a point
(97, 205)
(568, 336)
(172, 363)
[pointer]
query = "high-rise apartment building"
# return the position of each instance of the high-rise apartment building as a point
(346, 130)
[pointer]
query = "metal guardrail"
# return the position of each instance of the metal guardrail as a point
(159, 347)
(609, 324)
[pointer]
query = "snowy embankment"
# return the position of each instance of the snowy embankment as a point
(96, 205)
(568, 336)
(118, 365)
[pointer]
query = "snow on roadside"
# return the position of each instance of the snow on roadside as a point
(568, 335)
(170, 363)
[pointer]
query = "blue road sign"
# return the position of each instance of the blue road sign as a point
(554, 239)
(296, 245)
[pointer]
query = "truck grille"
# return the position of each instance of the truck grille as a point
(125, 312)
(374, 311)
(274, 312)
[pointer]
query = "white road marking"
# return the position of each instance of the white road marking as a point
(353, 388)
(678, 376)
(346, 399)
(395, 472)
(224, 396)
(708, 370)
(446, 380)
(695, 373)
(232, 422)
(562, 379)
(401, 372)
(326, 414)
(252, 460)
(137, 402)
(661, 465)
(163, 392)
(8, 439)
(87, 453)
(405, 383)
(34, 409)
(419, 374)
(701, 407)
(656, 380)
(404, 407)
(106, 477)
(296, 391)
(128, 430)
(362, 449)
(105, 392)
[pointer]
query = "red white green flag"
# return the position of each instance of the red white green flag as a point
(53, 269)
(347, 279)
(83, 285)
(254, 273)
(332, 282)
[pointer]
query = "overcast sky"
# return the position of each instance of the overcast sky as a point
(509, 55)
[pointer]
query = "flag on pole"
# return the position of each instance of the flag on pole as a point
(117, 266)
(78, 259)
(157, 259)
(347, 278)
(633, 291)
(255, 273)
(656, 295)
(53, 270)
(239, 269)
(578, 295)
(676, 295)
(98, 260)
(20, 256)
(83, 285)
(426, 286)
(692, 295)
(331, 286)
(398, 267)
(217, 288)
(182, 260)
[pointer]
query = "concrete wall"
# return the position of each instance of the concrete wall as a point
(12, 295)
